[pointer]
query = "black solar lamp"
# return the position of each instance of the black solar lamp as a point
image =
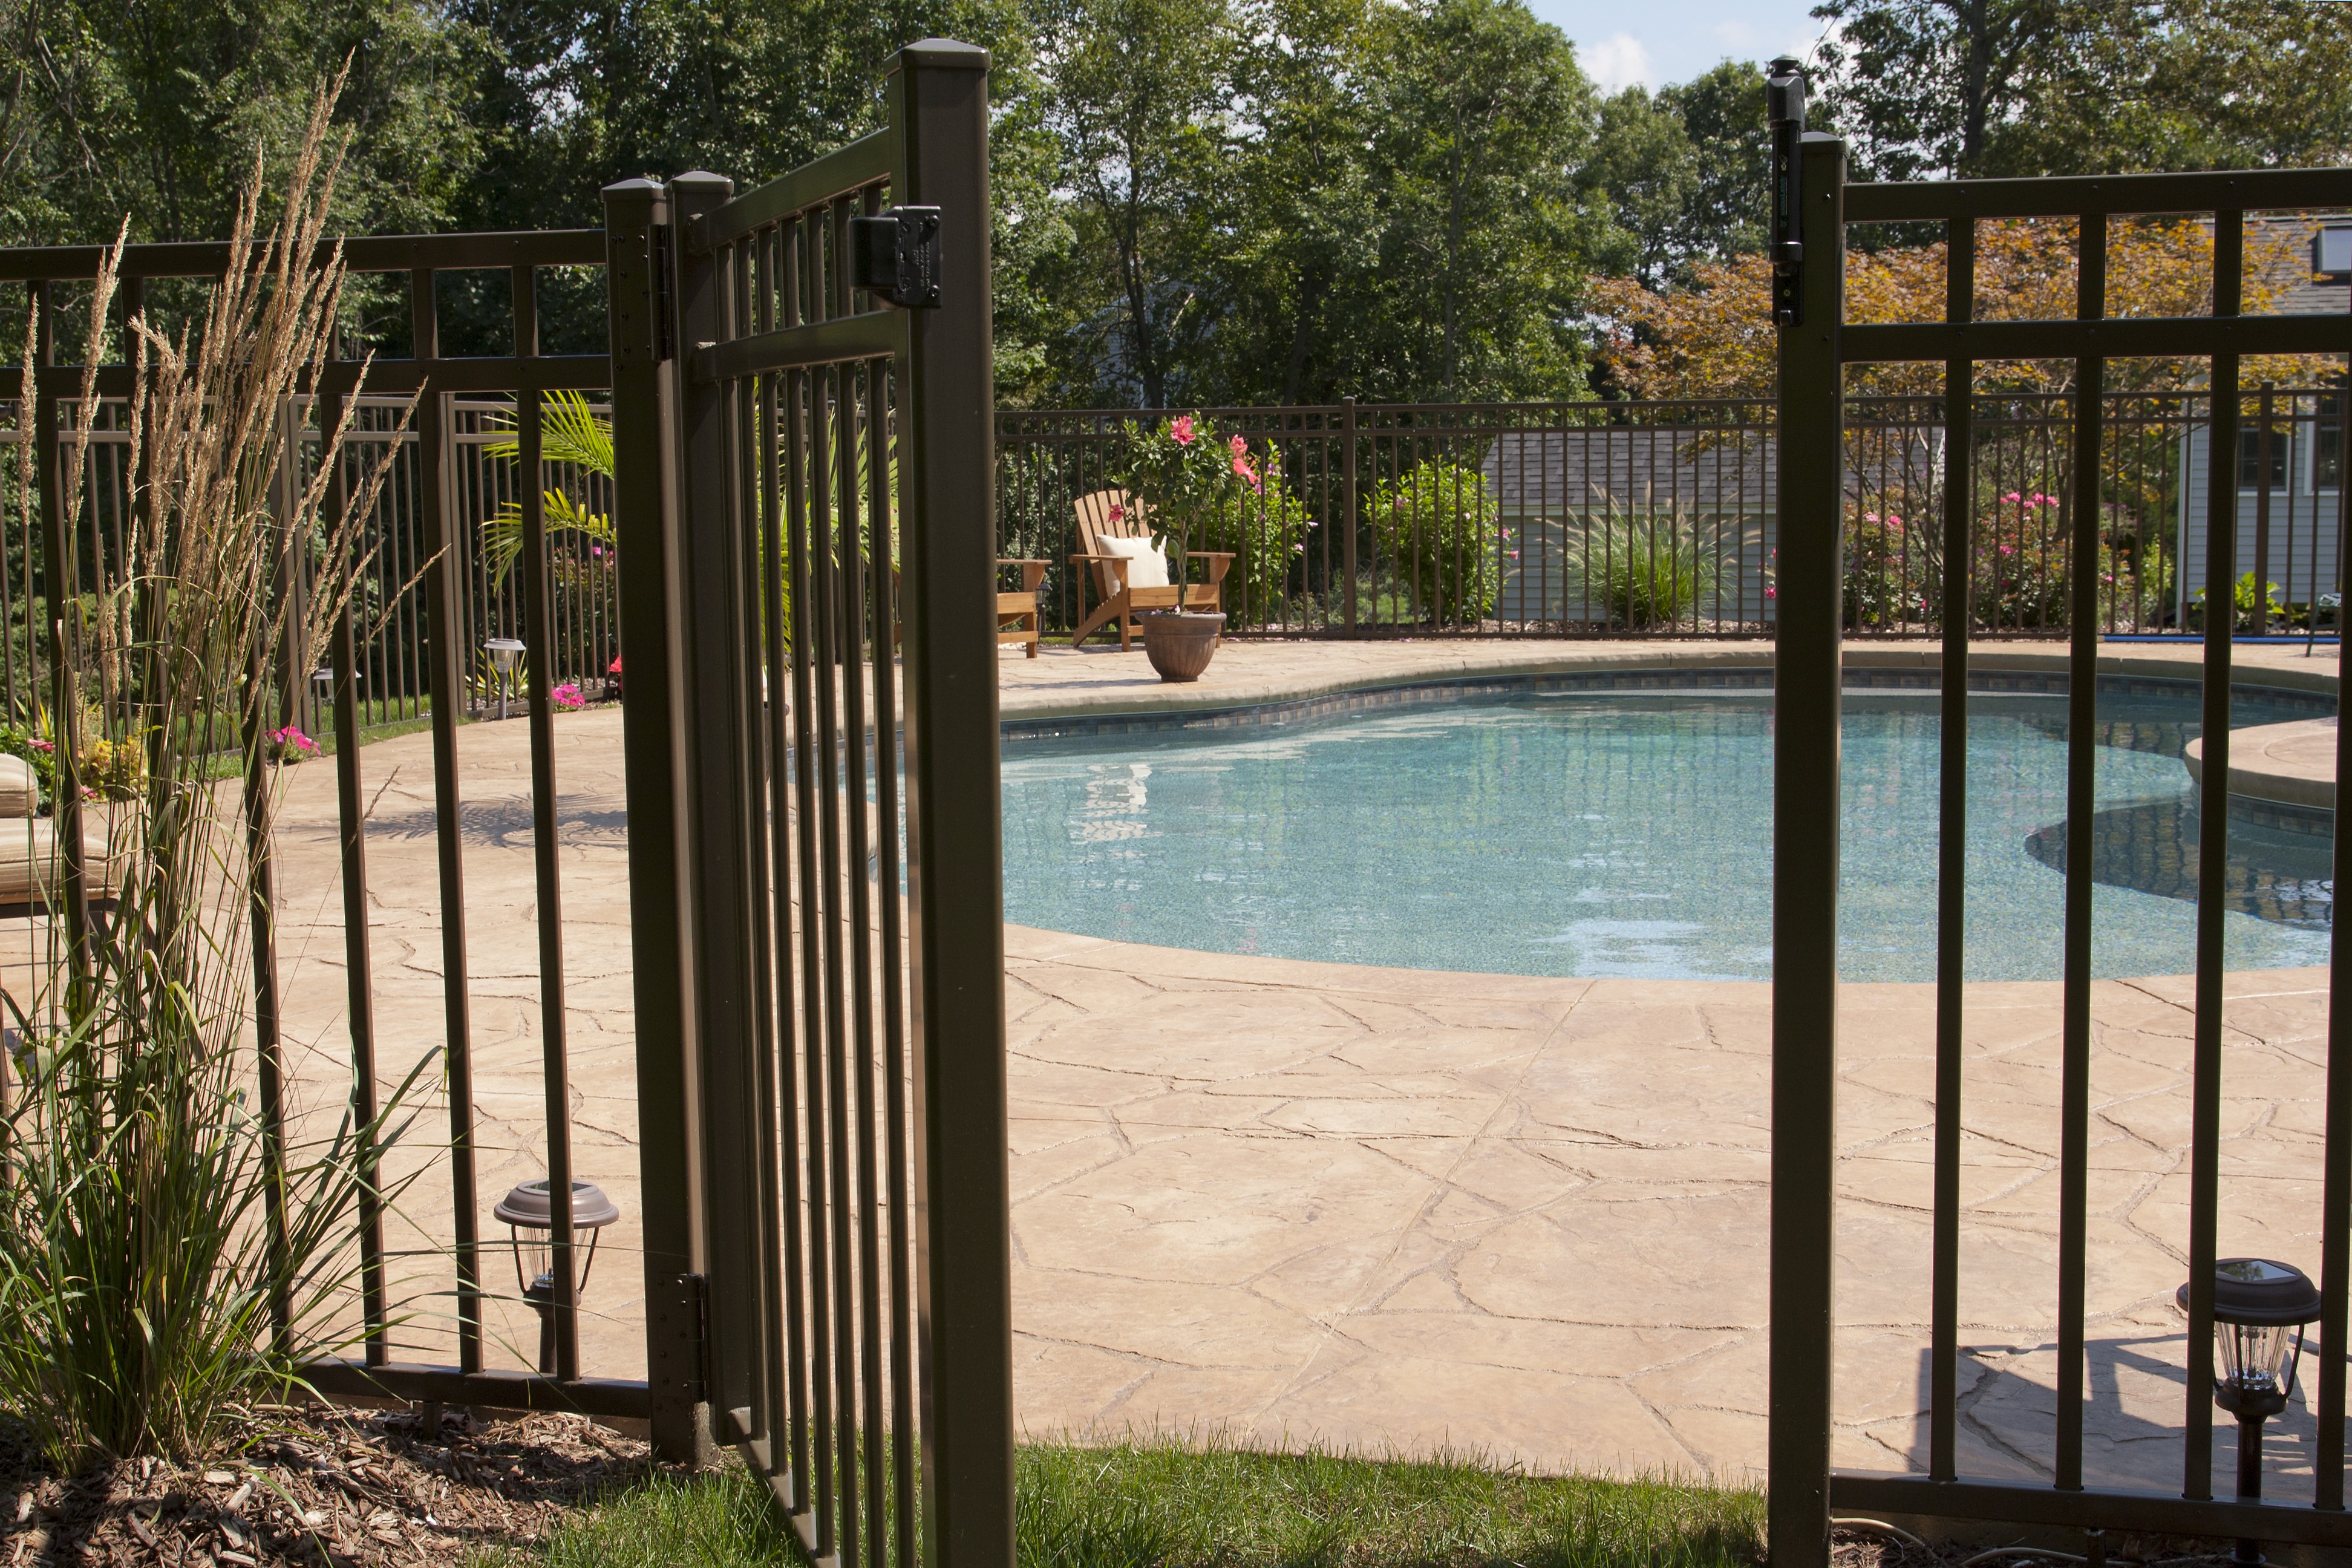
(531, 1231)
(2260, 1308)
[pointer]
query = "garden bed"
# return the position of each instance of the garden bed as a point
(323, 1487)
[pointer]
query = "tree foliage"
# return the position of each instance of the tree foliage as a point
(1715, 338)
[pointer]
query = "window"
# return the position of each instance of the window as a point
(2250, 457)
(2331, 252)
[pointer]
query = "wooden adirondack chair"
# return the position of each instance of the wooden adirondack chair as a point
(1119, 602)
(1012, 609)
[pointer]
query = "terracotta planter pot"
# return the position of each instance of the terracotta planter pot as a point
(1180, 646)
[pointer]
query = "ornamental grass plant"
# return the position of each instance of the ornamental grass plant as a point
(169, 1251)
(1639, 568)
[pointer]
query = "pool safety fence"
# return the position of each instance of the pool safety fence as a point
(2119, 476)
(791, 468)
(429, 594)
(478, 488)
(1662, 518)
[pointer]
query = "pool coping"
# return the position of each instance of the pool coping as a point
(1435, 665)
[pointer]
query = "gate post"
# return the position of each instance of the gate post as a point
(939, 99)
(1805, 866)
(653, 752)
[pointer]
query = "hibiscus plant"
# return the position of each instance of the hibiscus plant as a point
(1184, 469)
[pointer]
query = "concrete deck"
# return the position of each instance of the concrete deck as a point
(2292, 763)
(1397, 1209)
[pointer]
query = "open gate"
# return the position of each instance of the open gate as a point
(1813, 204)
(803, 391)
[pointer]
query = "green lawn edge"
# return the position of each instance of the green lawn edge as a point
(1165, 1502)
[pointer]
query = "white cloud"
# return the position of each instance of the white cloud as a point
(1619, 63)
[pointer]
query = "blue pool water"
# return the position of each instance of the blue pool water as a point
(1630, 834)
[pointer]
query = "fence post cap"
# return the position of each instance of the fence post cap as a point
(938, 53)
(700, 182)
(638, 188)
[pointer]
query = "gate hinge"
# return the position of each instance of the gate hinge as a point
(896, 254)
(694, 1305)
(665, 313)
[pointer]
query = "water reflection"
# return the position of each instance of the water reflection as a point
(2150, 847)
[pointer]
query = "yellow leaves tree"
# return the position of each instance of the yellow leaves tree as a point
(1716, 338)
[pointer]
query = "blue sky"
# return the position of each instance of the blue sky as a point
(1658, 41)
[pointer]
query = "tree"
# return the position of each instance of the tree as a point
(1972, 87)
(1301, 232)
(1137, 95)
(1482, 119)
(156, 109)
(1716, 338)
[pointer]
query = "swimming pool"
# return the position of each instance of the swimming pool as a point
(1599, 833)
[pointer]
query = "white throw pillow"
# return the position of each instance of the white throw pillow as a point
(1150, 568)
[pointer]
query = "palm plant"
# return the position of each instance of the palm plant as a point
(169, 1249)
(569, 432)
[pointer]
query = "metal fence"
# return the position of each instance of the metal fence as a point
(426, 602)
(1659, 519)
(842, 1042)
(2128, 471)
(481, 485)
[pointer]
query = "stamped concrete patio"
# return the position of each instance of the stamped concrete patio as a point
(1399, 1209)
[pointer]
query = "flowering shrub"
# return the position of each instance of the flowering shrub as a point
(1438, 528)
(568, 696)
(1204, 489)
(1887, 571)
(289, 745)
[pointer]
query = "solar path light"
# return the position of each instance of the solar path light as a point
(531, 1230)
(504, 652)
(2260, 1308)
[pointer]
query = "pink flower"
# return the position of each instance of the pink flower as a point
(568, 696)
(1893, 520)
(1514, 555)
(1182, 427)
(1770, 592)
(615, 669)
(1239, 447)
(2009, 550)
(2012, 498)
(1118, 512)
(1870, 517)
(45, 745)
(595, 550)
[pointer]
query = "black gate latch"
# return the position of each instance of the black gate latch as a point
(896, 254)
(1784, 108)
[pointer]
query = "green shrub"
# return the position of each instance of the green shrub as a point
(1437, 527)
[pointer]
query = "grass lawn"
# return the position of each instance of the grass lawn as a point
(1134, 1506)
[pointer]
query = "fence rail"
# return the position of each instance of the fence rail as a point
(428, 596)
(1662, 518)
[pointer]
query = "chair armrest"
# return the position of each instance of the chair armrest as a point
(1033, 572)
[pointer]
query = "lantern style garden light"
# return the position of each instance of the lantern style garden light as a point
(528, 1213)
(2260, 1308)
(504, 652)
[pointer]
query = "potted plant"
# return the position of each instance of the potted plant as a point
(1184, 469)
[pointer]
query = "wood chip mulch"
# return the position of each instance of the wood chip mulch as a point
(317, 1487)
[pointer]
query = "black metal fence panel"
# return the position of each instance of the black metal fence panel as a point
(2088, 514)
(1617, 519)
(826, 501)
(432, 590)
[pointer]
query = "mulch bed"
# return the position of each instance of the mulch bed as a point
(320, 1486)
